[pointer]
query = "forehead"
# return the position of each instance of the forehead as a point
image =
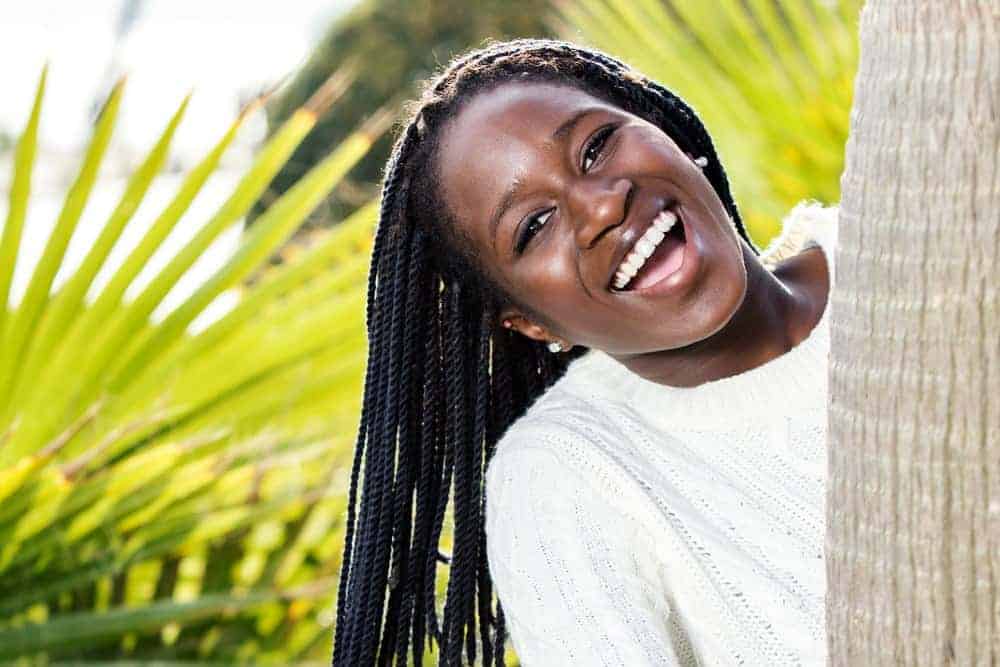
(515, 110)
(499, 136)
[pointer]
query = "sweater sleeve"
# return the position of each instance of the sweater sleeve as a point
(575, 571)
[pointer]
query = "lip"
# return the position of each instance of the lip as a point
(689, 268)
(631, 235)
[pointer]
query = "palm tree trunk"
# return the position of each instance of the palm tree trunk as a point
(913, 505)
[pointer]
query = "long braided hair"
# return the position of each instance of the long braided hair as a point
(444, 381)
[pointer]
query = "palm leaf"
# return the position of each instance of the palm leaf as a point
(69, 300)
(155, 480)
(24, 162)
(37, 296)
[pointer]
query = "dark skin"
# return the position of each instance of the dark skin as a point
(586, 196)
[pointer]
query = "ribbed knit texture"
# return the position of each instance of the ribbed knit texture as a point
(632, 523)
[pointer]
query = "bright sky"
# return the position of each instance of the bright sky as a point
(218, 48)
(223, 50)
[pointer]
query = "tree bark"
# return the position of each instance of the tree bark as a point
(913, 504)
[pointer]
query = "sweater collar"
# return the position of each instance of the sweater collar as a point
(788, 384)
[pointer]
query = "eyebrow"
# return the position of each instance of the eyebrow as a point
(564, 130)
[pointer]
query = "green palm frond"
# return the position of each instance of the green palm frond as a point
(167, 491)
(772, 81)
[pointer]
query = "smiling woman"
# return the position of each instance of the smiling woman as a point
(568, 323)
(600, 175)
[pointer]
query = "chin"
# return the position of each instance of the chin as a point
(712, 308)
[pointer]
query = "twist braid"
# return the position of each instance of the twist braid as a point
(378, 474)
(430, 448)
(482, 452)
(401, 584)
(457, 442)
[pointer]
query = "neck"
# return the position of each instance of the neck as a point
(777, 312)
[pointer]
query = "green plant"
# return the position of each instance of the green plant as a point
(166, 492)
(399, 42)
(771, 79)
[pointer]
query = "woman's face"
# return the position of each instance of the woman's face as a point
(555, 186)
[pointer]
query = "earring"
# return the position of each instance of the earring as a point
(555, 346)
(701, 161)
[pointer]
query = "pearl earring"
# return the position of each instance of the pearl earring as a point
(555, 346)
(701, 161)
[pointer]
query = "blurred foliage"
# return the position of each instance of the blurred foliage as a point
(167, 493)
(397, 43)
(771, 79)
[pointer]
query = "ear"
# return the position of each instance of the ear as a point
(523, 325)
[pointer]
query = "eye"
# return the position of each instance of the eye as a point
(527, 228)
(596, 145)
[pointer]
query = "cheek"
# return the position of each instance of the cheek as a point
(644, 148)
(552, 288)
(549, 257)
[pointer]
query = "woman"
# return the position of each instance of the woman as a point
(569, 324)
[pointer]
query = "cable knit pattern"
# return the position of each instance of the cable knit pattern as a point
(632, 523)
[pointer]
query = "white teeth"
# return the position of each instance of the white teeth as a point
(665, 220)
(644, 247)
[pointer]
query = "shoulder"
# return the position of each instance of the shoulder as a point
(545, 463)
(565, 430)
(543, 481)
(575, 554)
(819, 221)
(809, 222)
(537, 448)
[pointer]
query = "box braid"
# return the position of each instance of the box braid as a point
(443, 381)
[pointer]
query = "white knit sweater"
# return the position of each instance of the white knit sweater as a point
(632, 523)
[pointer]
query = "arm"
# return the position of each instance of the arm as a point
(576, 574)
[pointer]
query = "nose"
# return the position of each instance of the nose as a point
(598, 204)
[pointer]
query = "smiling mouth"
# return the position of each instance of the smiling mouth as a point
(657, 254)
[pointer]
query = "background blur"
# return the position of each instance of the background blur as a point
(186, 231)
